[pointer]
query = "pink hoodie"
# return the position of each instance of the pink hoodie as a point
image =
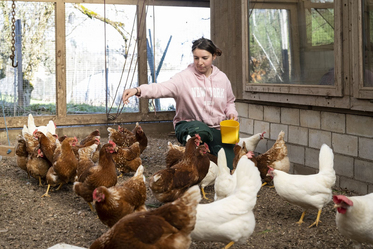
(197, 97)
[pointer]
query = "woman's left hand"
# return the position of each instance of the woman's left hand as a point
(232, 117)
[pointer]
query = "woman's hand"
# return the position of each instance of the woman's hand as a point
(129, 93)
(232, 117)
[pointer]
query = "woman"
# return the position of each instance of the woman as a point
(203, 96)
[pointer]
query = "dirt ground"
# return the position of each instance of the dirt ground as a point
(29, 221)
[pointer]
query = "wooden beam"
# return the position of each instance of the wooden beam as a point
(8, 151)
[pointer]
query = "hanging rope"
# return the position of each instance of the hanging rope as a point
(127, 83)
(12, 56)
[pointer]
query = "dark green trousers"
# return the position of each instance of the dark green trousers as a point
(208, 135)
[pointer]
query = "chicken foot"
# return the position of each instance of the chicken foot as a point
(317, 219)
(59, 186)
(204, 194)
(301, 218)
(40, 184)
(46, 193)
(229, 245)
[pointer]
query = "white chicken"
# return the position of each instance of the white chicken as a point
(31, 127)
(354, 218)
(225, 183)
(231, 219)
(308, 191)
(251, 142)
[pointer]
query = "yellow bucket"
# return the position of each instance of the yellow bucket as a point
(229, 130)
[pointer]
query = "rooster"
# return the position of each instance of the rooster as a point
(354, 218)
(170, 183)
(308, 191)
(115, 202)
(102, 174)
(168, 226)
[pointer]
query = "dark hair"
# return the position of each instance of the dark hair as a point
(206, 44)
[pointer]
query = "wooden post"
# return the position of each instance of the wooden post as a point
(21, 97)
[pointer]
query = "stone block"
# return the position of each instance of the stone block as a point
(246, 125)
(289, 116)
(272, 114)
(312, 158)
(260, 126)
(256, 112)
(276, 129)
(296, 153)
(344, 144)
(364, 171)
(344, 165)
(318, 138)
(310, 119)
(242, 109)
(334, 122)
(366, 148)
(303, 170)
(298, 135)
(359, 125)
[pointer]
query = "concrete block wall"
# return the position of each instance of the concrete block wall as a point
(350, 137)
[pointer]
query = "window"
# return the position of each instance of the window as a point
(31, 86)
(100, 57)
(172, 45)
(292, 48)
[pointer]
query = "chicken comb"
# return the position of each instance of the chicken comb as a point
(262, 135)
(250, 154)
(341, 198)
(112, 143)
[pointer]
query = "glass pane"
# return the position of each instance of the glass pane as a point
(100, 58)
(31, 86)
(278, 55)
(173, 45)
(368, 44)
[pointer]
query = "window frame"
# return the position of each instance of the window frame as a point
(359, 90)
(335, 90)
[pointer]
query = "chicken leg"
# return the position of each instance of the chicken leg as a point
(229, 245)
(46, 193)
(203, 193)
(317, 219)
(301, 218)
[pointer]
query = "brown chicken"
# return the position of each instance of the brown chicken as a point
(85, 157)
(102, 174)
(37, 165)
(92, 136)
(115, 202)
(47, 146)
(122, 136)
(140, 137)
(169, 184)
(168, 226)
(21, 153)
(239, 151)
(175, 153)
(64, 164)
(32, 144)
(127, 159)
(276, 157)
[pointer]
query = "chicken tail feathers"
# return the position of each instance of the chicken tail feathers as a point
(326, 159)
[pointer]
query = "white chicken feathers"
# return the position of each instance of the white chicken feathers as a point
(31, 127)
(251, 142)
(357, 222)
(308, 191)
(231, 218)
(225, 183)
(211, 175)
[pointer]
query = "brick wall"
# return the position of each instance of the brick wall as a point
(350, 137)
